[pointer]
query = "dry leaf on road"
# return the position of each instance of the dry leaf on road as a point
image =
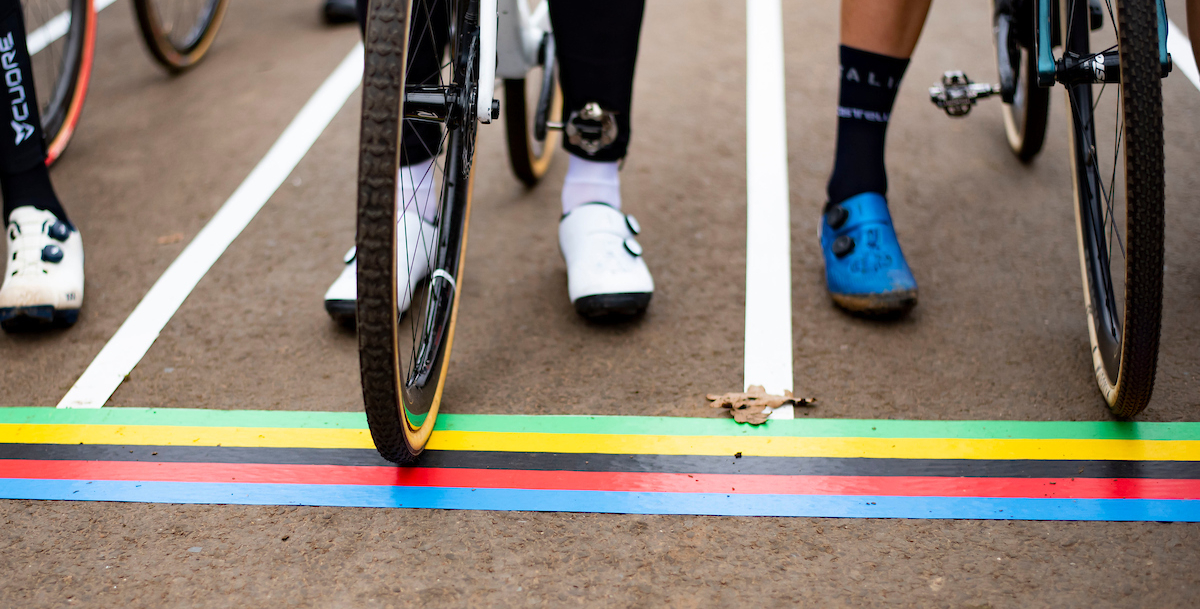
(750, 407)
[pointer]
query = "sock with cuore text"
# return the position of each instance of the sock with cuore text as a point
(24, 178)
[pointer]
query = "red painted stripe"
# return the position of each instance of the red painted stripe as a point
(900, 486)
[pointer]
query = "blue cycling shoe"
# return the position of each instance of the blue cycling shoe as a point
(865, 270)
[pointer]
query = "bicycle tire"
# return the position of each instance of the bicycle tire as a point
(1124, 303)
(175, 51)
(62, 53)
(529, 155)
(1026, 117)
(402, 398)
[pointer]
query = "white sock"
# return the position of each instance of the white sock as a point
(590, 182)
(416, 186)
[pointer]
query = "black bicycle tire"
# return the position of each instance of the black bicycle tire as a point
(527, 164)
(173, 57)
(384, 392)
(1027, 134)
(67, 92)
(1136, 357)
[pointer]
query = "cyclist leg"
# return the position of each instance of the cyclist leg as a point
(420, 144)
(865, 269)
(43, 281)
(597, 48)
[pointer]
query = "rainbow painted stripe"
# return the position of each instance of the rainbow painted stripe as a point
(647, 465)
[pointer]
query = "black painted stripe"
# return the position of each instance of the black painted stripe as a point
(814, 466)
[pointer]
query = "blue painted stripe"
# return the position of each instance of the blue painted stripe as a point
(832, 506)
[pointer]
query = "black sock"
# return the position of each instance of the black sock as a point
(24, 179)
(30, 187)
(868, 90)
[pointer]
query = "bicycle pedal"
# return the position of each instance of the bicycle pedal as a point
(957, 94)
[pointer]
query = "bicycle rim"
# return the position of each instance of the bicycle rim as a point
(61, 37)
(179, 33)
(404, 355)
(1117, 171)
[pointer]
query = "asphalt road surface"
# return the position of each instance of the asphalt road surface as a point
(1000, 333)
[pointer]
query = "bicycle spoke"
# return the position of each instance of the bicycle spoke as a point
(1070, 22)
(1092, 117)
(1111, 194)
(1099, 96)
(418, 314)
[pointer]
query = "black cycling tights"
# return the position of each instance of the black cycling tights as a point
(24, 179)
(597, 46)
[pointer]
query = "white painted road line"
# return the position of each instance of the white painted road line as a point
(141, 329)
(56, 28)
(1180, 49)
(49, 32)
(768, 228)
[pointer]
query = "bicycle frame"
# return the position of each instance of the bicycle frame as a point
(509, 44)
(487, 62)
(1047, 68)
(520, 37)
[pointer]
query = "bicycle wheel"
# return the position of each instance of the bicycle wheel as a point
(61, 37)
(403, 355)
(1117, 170)
(178, 33)
(528, 104)
(1025, 116)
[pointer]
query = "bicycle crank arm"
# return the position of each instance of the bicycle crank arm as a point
(957, 94)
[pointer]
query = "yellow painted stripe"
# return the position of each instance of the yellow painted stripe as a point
(876, 448)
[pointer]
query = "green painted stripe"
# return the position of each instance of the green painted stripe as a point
(673, 426)
(824, 428)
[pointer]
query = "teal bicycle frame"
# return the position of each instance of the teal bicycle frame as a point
(1047, 68)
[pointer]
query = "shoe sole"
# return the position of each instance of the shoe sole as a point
(33, 319)
(888, 303)
(613, 305)
(342, 311)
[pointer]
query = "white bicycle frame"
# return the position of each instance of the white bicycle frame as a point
(509, 45)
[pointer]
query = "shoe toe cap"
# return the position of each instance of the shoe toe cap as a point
(603, 257)
(866, 270)
(345, 287)
(607, 267)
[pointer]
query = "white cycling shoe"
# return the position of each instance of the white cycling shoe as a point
(417, 239)
(43, 279)
(606, 274)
